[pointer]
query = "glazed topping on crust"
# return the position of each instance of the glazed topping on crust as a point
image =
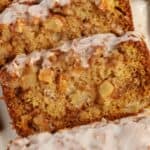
(20, 10)
(26, 1)
(129, 133)
(24, 11)
(83, 47)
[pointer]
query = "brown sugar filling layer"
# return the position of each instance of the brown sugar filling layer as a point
(66, 94)
(79, 18)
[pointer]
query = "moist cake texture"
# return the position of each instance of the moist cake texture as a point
(126, 134)
(27, 26)
(79, 82)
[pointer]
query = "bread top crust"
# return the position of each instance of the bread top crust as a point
(83, 47)
(25, 9)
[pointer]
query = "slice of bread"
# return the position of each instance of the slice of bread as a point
(126, 134)
(77, 83)
(25, 28)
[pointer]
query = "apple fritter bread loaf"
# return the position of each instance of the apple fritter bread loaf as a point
(126, 134)
(47, 23)
(77, 83)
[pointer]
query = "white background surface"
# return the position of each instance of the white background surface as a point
(141, 16)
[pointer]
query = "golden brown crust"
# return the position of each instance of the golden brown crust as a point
(4, 4)
(67, 95)
(80, 18)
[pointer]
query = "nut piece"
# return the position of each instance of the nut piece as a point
(106, 5)
(40, 123)
(46, 75)
(19, 26)
(62, 86)
(106, 89)
(54, 24)
(80, 98)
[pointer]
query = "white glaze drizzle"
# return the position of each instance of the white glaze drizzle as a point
(26, 1)
(20, 10)
(23, 11)
(83, 47)
(125, 134)
(97, 2)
